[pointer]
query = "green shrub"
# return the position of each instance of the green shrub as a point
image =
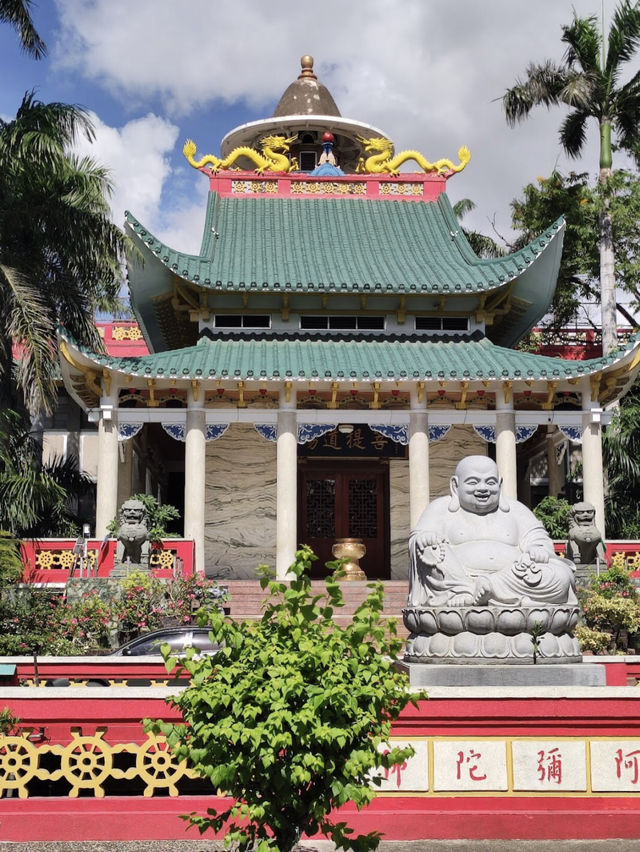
(11, 568)
(553, 513)
(292, 716)
(593, 641)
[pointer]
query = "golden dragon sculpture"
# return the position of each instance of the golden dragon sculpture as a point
(385, 162)
(269, 161)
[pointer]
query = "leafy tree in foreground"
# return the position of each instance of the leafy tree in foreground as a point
(588, 82)
(290, 718)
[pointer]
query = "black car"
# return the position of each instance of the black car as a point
(178, 638)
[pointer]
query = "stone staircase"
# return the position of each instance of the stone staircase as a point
(246, 598)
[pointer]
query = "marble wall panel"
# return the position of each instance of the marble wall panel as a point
(444, 455)
(399, 518)
(240, 498)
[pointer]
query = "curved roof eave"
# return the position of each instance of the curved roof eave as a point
(291, 358)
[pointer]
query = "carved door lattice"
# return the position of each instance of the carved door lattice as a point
(345, 501)
(321, 508)
(363, 508)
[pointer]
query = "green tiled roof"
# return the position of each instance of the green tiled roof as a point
(357, 358)
(339, 245)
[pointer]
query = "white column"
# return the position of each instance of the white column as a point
(418, 465)
(554, 471)
(286, 485)
(125, 449)
(107, 484)
(506, 444)
(592, 469)
(194, 476)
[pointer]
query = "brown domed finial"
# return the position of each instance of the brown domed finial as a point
(307, 68)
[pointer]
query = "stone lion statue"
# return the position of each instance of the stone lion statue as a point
(584, 545)
(133, 535)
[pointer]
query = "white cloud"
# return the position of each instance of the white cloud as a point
(428, 73)
(137, 156)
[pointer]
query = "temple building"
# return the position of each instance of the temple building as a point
(319, 368)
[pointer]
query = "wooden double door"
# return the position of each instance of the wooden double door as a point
(345, 499)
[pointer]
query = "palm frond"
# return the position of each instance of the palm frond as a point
(462, 207)
(582, 37)
(626, 117)
(573, 133)
(17, 13)
(624, 36)
(29, 322)
(543, 85)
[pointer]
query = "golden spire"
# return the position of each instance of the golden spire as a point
(307, 68)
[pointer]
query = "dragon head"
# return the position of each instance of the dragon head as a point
(276, 143)
(376, 143)
(189, 149)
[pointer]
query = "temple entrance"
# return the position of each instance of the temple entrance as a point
(341, 499)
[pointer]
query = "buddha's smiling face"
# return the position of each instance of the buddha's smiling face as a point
(477, 485)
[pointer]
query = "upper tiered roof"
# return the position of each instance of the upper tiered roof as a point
(346, 246)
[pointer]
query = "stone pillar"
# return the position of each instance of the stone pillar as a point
(592, 469)
(286, 485)
(506, 444)
(108, 459)
(418, 465)
(126, 471)
(194, 476)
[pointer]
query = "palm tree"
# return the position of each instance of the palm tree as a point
(36, 500)
(60, 255)
(482, 245)
(588, 82)
(17, 13)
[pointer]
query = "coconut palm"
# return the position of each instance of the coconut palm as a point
(36, 500)
(482, 245)
(17, 13)
(60, 254)
(588, 82)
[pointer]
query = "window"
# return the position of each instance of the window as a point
(307, 161)
(442, 324)
(242, 321)
(341, 322)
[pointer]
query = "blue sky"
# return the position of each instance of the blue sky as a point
(428, 72)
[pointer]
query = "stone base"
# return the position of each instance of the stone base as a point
(121, 570)
(434, 674)
(491, 649)
(106, 587)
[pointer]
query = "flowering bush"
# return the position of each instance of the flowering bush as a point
(35, 621)
(89, 622)
(31, 622)
(616, 582)
(186, 595)
(611, 609)
(140, 608)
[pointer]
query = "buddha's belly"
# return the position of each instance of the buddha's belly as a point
(485, 557)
